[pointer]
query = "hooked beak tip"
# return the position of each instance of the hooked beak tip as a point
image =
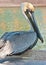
(42, 40)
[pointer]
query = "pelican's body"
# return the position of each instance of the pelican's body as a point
(20, 41)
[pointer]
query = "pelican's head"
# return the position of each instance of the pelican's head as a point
(28, 6)
(28, 12)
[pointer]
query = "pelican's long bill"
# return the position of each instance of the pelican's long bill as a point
(29, 13)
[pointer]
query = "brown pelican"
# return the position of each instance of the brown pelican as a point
(20, 41)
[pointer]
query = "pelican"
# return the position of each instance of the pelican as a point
(17, 42)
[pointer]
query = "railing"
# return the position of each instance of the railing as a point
(18, 2)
